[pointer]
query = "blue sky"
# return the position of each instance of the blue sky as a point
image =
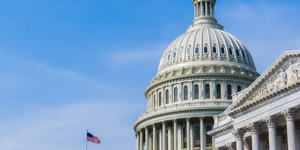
(69, 65)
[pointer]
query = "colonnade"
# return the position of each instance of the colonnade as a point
(277, 137)
(204, 9)
(178, 134)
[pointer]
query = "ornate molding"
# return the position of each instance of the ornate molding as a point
(270, 121)
(288, 114)
(231, 146)
(238, 133)
(247, 142)
(254, 127)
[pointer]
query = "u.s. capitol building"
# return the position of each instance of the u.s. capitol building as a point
(208, 95)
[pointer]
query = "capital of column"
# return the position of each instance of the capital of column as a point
(247, 142)
(254, 127)
(288, 114)
(270, 121)
(231, 146)
(238, 133)
(187, 119)
(174, 120)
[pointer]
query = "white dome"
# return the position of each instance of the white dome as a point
(205, 46)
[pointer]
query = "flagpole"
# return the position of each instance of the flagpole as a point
(86, 141)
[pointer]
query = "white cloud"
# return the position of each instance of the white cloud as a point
(64, 127)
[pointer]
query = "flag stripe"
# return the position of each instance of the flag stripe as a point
(92, 138)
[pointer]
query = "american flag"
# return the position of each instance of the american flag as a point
(92, 138)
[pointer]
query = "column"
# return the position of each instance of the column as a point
(175, 134)
(247, 143)
(195, 12)
(201, 9)
(279, 136)
(160, 139)
(290, 126)
(197, 9)
(179, 137)
(192, 136)
(206, 9)
(202, 141)
(254, 135)
(263, 138)
(188, 133)
(141, 140)
(169, 137)
(154, 137)
(210, 9)
(164, 145)
(270, 121)
(146, 139)
(137, 140)
(239, 133)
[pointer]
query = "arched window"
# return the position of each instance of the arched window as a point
(230, 51)
(222, 50)
(176, 95)
(157, 141)
(174, 55)
(237, 52)
(229, 93)
(167, 97)
(208, 137)
(207, 91)
(184, 138)
(185, 97)
(218, 91)
(196, 92)
(197, 50)
(243, 54)
(197, 136)
(239, 88)
(188, 51)
(214, 49)
(159, 99)
(169, 57)
(205, 49)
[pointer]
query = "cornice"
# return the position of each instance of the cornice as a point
(221, 129)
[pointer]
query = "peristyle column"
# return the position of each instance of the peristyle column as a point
(154, 137)
(254, 135)
(141, 140)
(270, 121)
(247, 143)
(169, 137)
(202, 134)
(164, 145)
(290, 126)
(239, 133)
(188, 133)
(175, 134)
(146, 139)
(137, 140)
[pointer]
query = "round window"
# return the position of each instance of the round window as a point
(214, 50)
(223, 50)
(205, 49)
(197, 50)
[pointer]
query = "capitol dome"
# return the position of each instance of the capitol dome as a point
(200, 74)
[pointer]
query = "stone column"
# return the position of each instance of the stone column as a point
(231, 146)
(141, 140)
(160, 139)
(270, 121)
(263, 137)
(154, 137)
(188, 133)
(201, 9)
(290, 126)
(206, 9)
(175, 134)
(137, 140)
(239, 133)
(169, 137)
(197, 9)
(247, 143)
(254, 134)
(202, 134)
(192, 136)
(164, 145)
(210, 10)
(195, 12)
(146, 139)
(279, 136)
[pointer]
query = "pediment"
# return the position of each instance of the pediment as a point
(282, 75)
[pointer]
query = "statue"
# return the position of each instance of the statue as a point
(270, 86)
(280, 81)
(292, 73)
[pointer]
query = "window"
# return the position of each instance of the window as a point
(184, 138)
(176, 95)
(205, 49)
(197, 136)
(174, 55)
(239, 88)
(188, 51)
(237, 52)
(196, 92)
(207, 91)
(230, 51)
(169, 57)
(185, 93)
(197, 50)
(214, 49)
(243, 54)
(159, 99)
(222, 50)
(229, 93)
(248, 57)
(208, 137)
(218, 91)
(167, 97)
(181, 52)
